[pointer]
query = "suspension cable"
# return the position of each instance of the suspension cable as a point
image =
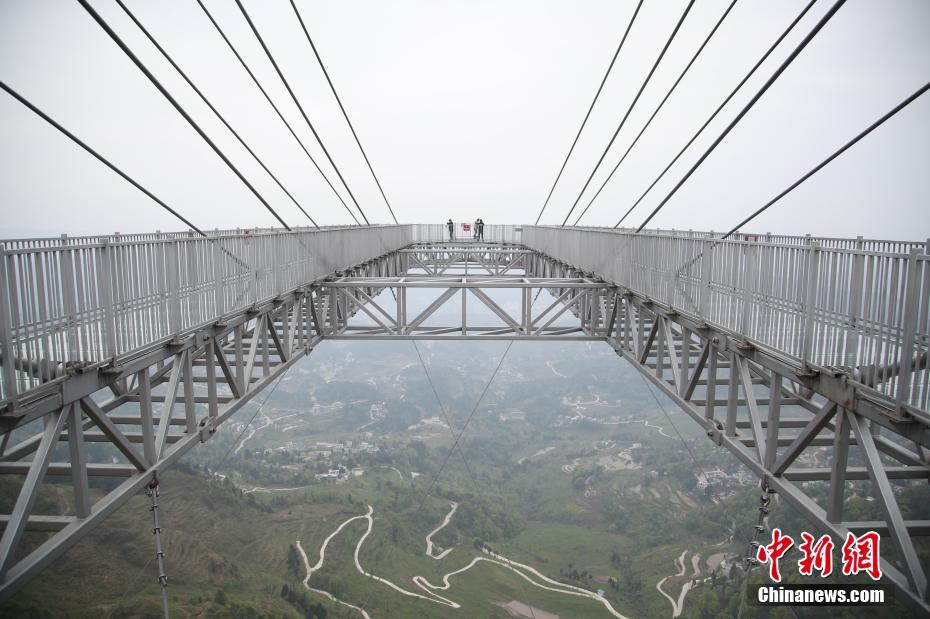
(152, 491)
(655, 65)
(290, 91)
(98, 156)
(116, 169)
(836, 154)
(688, 449)
(750, 561)
(135, 59)
(238, 438)
(458, 437)
(271, 102)
(590, 108)
(784, 65)
(468, 420)
(445, 415)
(720, 107)
(661, 103)
(203, 97)
(344, 113)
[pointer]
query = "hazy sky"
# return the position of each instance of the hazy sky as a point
(466, 109)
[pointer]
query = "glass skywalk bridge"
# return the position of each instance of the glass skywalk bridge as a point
(776, 346)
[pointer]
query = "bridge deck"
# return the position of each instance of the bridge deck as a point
(774, 346)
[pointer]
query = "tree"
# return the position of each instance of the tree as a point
(708, 607)
(293, 561)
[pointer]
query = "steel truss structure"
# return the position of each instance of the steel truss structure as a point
(464, 272)
(773, 409)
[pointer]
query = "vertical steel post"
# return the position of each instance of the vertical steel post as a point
(838, 466)
(706, 264)
(810, 298)
(909, 331)
(145, 413)
(69, 303)
(190, 411)
(464, 308)
(6, 337)
(774, 419)
(219, 299)
(749, 271)
(78, 461)
(238, 334)
(105, 281)
(193, 283)
(855, 306)
(172, 275)
(684, 360)
(732, 395)
(660, 352)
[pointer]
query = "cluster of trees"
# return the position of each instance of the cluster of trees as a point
(581, 475)
(233, 608)
(629, 579)
(294, 562)
(584, 576)
(490, 450)
(303, 603)
(488, 520)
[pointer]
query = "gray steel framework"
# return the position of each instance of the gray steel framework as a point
(704, 340)
(466, 272)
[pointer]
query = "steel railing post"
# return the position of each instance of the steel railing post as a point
(909, 331)
(172, 276)
(6, 333)
(810, 297)
(105, 281)
(706, 264)
(219, 299)
(68, 301)
(749, 271)
(855, 306)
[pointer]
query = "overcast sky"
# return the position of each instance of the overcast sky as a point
(466, 110)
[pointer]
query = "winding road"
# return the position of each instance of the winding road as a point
(252, 431)
(520, 569)
(270, 490)
(678, 605)
(429, 541)
(646, 423)
(555, 371)
(319, 564)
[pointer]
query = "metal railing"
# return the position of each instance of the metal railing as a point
(882, 245)
(842, 303)
(92, 298)
(847, 306)
(493, 233)
(116, 237)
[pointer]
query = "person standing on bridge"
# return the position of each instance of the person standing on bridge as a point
(451, 227)
(480, 229)
(474, 232)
